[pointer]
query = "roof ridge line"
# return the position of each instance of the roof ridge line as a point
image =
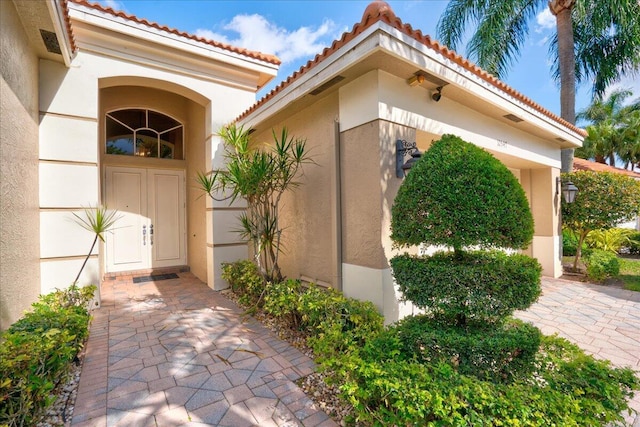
(380, 11)
(272, 59)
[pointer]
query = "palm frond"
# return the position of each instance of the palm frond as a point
(97, 220)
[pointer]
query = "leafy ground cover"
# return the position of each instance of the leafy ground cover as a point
(629, 275)
(37, 352)
(381, 381)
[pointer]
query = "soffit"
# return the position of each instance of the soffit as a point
(36, 16)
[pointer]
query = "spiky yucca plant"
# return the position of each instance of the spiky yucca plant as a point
(97, 220)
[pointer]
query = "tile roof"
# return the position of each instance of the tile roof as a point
(588, 165)
(272, 59)
(67, 23)
(380, 11)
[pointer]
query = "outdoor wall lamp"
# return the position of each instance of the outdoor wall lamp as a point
(402, 149)
(569, 190)
(437, 95)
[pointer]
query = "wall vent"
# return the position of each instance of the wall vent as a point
(513, 118)
(327, 85)
(560, 139)
(50, 41)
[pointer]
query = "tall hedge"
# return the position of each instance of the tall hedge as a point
(459, 195)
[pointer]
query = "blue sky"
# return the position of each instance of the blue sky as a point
(296, 31)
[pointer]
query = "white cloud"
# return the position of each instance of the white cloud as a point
(255, 32)
(629, 82)
(545, 20)
(114, 4)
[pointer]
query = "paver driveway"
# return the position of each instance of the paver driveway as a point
(602, 320)
(173, 352)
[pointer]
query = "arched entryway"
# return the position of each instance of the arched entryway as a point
(151, 141)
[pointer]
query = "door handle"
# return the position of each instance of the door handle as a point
(144, 235)
(151, 234)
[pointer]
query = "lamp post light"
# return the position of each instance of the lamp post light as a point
(402, 149)
(569, 190)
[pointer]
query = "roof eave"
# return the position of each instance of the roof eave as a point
(84, 17)
(60, 20)
(381, 36)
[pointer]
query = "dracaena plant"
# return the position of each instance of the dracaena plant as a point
(97, 220)
(260, 175)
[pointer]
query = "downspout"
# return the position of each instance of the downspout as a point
(338, 207)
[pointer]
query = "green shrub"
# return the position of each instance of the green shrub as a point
(493, 353)
(245, 280)
(335, 322)
(605, 199)
(36, 352)
(459, 195)
(569, 243)
(472, 287)
(569, 388)
(611, 240)
(634, 243)
(602, 265)
(282, 300)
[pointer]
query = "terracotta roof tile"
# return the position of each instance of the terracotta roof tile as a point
(588, 165)
(381, 11)
(251, 54)
(67, 23)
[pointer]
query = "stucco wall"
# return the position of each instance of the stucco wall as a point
(308, 212)
(19, 222)
(361, 197)
(77, 92)
(196, 201)
(369, 191)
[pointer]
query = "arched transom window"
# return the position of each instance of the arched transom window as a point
(144, 133)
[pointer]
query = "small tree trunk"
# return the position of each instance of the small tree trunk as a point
(86, 259)
(581, 238)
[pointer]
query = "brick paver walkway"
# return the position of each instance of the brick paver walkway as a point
(175, 353)
(602, 320)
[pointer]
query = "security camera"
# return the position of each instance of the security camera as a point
(437, 94)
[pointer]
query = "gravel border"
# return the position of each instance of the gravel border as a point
(59, 414)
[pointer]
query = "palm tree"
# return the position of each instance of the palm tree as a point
(613, 130)
(596, 40)
(630, 152)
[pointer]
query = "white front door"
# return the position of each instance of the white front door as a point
(151, 230)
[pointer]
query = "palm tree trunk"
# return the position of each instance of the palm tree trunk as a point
(566, 56)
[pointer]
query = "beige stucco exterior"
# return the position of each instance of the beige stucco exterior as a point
(309, 211)
(351, 104)
(54, 160)
(19, 222)
(374, 106)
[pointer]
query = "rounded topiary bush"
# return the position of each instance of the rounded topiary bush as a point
(459, 195)
(471, 287)
(494, 353)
